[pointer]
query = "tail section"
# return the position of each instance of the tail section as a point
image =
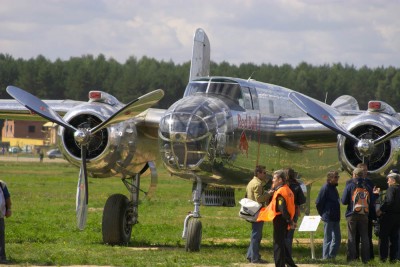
(200, 65)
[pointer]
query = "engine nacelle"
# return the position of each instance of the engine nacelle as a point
(110, 151)
(384, 156)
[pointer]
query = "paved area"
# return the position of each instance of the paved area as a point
(17, 158)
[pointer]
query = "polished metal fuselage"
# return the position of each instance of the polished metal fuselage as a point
(263, 126)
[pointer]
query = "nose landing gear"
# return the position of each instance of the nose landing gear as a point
(192, 227)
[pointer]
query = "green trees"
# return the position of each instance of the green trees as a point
(75, 77)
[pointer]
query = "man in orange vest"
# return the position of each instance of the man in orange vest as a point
(280, 211)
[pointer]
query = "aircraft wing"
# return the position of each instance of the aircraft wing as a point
(13, 110)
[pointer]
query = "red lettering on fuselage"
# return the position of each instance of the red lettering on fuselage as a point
(248, 122)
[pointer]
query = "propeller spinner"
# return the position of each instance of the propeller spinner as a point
(83, 135)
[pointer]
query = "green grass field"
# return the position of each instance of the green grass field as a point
(42, 230)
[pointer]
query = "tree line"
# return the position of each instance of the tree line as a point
(74, 78)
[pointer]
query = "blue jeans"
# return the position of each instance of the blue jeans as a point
(253, 252)
(332, 239)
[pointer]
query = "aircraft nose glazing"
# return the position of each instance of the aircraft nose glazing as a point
(187, 130)
(184, 140)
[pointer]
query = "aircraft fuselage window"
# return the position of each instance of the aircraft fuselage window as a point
(247, 98)
(254, 98)
(271, 106)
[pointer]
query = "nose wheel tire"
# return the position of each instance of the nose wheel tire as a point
(116, 226)
(194, 233)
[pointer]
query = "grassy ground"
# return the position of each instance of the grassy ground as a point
(42, 230)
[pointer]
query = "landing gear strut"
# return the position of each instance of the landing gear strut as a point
(192, 227)
(120, 213)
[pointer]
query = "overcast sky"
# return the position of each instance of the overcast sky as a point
(355, 32)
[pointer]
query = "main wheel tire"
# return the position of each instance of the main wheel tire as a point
(115, 227)
(194, 233)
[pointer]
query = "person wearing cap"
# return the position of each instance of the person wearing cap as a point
(398, 243)
(389, 213)
(356, 221)
(371, 213)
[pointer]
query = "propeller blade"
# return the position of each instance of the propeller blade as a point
(386, 137)
(82, 193)
(36, 105)
(132, 109)
(320, 114)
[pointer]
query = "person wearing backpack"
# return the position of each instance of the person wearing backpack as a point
(371, 213)
(389, 213)
(5, 211)
(356, 195)
(299, 199)
(328, 207)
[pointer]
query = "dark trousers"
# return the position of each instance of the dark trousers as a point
(289, 240)
(2, 240)
(398, 246)
(357, 223)
(371, 245)
(389, 232)
(282, 256)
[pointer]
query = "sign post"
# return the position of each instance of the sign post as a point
(310, 224)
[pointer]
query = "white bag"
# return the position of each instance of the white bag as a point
(249, 209)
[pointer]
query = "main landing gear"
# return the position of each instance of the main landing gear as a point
(192, 227)
(120, 214)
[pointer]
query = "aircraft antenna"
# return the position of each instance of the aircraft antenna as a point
(251, 76)
(326, 96)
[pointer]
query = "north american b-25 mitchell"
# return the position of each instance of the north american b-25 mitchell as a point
(215, 135)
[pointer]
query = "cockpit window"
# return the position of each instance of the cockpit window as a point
(227, 88)
(195, 87)
(247, 98)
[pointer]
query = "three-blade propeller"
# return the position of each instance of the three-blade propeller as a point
(83, 135)
(322, 114)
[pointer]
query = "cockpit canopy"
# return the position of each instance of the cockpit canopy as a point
(237, 96)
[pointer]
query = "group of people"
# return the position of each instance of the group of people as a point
(281, 206)
(360, 195)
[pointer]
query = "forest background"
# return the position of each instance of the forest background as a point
(74, 78)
